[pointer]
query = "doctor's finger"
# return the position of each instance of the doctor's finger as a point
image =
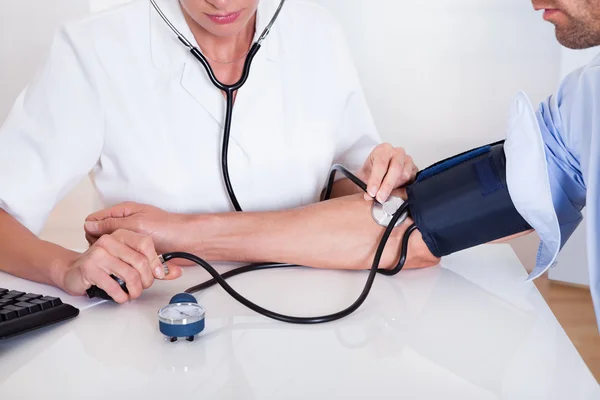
(409, 173)
(381, 163)
(391, 181)
(90, 239)
(130, 257)
(144, 246)
(97, 268)
(102, 279)
(128, 274)
(175, 270)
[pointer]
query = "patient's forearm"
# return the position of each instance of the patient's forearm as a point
(511, 237)
(335, 234)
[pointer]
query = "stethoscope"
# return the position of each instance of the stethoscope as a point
(389, 220)
(228, 89)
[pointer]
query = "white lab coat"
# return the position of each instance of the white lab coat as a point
(121, 97)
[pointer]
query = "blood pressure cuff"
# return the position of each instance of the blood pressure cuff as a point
(463, 201)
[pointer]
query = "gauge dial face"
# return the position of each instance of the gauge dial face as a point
(181, 313)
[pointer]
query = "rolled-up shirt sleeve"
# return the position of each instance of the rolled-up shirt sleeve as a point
(543, 176)
(564, 173)
(574, 115)
(553, 167)
(570, 130)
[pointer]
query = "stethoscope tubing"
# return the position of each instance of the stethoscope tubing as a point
(221, 279)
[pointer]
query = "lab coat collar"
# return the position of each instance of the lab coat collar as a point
(169, 54)
(165, 45)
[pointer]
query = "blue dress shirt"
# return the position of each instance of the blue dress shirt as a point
(553, 168)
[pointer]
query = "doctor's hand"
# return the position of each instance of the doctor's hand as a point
(125, 254)
(387, 168)
(167, 230)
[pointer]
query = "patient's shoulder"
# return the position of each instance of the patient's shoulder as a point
(584, 80)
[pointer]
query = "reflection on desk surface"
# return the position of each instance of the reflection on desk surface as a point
(434, 333)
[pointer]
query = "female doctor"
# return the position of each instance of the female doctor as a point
(122, 97)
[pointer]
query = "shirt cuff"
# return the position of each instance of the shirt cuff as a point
(528, 181)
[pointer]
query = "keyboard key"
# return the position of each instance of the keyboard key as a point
(7, 315)
(54, 300)
(6, 302)
(33, 308)
(20, 325)
(44, 304)
(13, 294)
(21, 311)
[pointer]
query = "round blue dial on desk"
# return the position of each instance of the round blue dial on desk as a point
(182, 317)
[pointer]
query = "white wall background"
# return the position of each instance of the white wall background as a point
(98, 5)
(26, 28)
(439, 74)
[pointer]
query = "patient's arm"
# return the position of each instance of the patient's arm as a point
(511, 237)
(343, 187)
(336, 234)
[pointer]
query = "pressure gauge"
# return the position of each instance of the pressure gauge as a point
(182, 317)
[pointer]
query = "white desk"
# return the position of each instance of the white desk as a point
(471, 329)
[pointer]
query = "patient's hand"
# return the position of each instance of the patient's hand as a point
(165, 229)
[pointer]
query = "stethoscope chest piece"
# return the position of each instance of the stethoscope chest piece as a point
(383, 213)
(182, 317)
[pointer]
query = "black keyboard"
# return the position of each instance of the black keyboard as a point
(22, 312)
